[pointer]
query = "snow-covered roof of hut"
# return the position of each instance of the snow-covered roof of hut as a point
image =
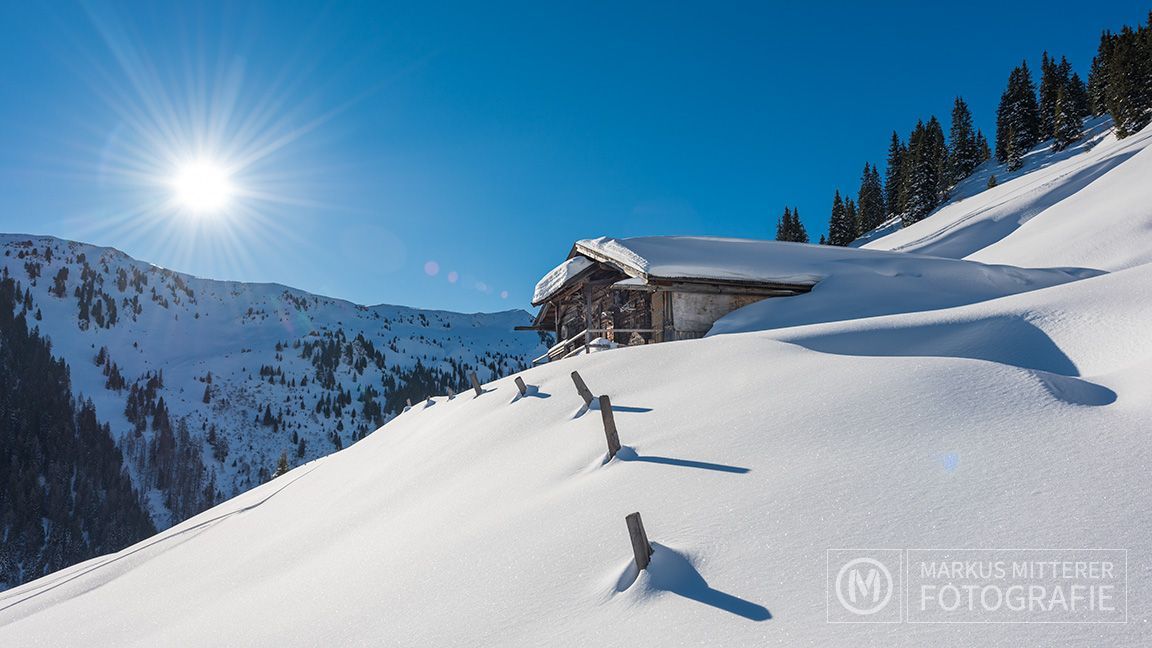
(723, 259)
(698, 258)
(559, 277)
(663, 259)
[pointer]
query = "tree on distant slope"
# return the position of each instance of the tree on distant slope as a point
(965, 150)
(800, 233)
(1078, 95)
(789, 227)
(982, 145)
(282, 466)
(1121, 82)
(894, 180)
(870, 200)
(926, 182)
(1098, 76)
(851, 219)
(841, 231)
(1050, 85)
(1067, 122)
(1018, 117)
(1015, 158)
(782, 225)
(64, 495)
(1059, 83)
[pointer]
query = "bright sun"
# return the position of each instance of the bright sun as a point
(203, 187)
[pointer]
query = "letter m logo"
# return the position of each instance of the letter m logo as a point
(868, 584)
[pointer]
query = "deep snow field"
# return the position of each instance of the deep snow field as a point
(1015, 422)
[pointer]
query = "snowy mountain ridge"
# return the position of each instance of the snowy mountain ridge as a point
(245, 371)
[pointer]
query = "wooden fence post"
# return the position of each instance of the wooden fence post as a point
(581, 388)
(641, 548)
(609, 426)
(521, 386)
(475, 383)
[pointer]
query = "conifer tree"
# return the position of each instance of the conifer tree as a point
(800, 233)
(894, 181)
(966, 153)
(938, 157)
(840, 230)
(1018, 116)
(782, 225)
(870, 200)
(1126, 68)
(851, 219)
(1015, 159)
(789, 227)
(982, 146)
(1028, 111)
(1067, 121)
(1078, 95)
(1098, 76)
(1050, 84)
(926, 182)
(281, 466)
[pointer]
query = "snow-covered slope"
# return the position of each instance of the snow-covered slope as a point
(494, 520)
(327, 371)
(1089, 206)
(1020, 421)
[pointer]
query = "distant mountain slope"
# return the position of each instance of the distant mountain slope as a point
(205, 384)
(63, 493)
(1085, 207)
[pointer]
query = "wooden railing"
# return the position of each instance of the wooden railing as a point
(581, 343)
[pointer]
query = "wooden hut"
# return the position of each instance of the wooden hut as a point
(615, 292)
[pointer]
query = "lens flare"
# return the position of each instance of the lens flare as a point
(206, 154)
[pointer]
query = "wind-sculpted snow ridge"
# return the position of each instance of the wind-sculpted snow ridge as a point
(899, 283)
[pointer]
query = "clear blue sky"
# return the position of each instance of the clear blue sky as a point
(373, 138)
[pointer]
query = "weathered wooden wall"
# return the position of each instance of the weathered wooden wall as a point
(694, 313)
